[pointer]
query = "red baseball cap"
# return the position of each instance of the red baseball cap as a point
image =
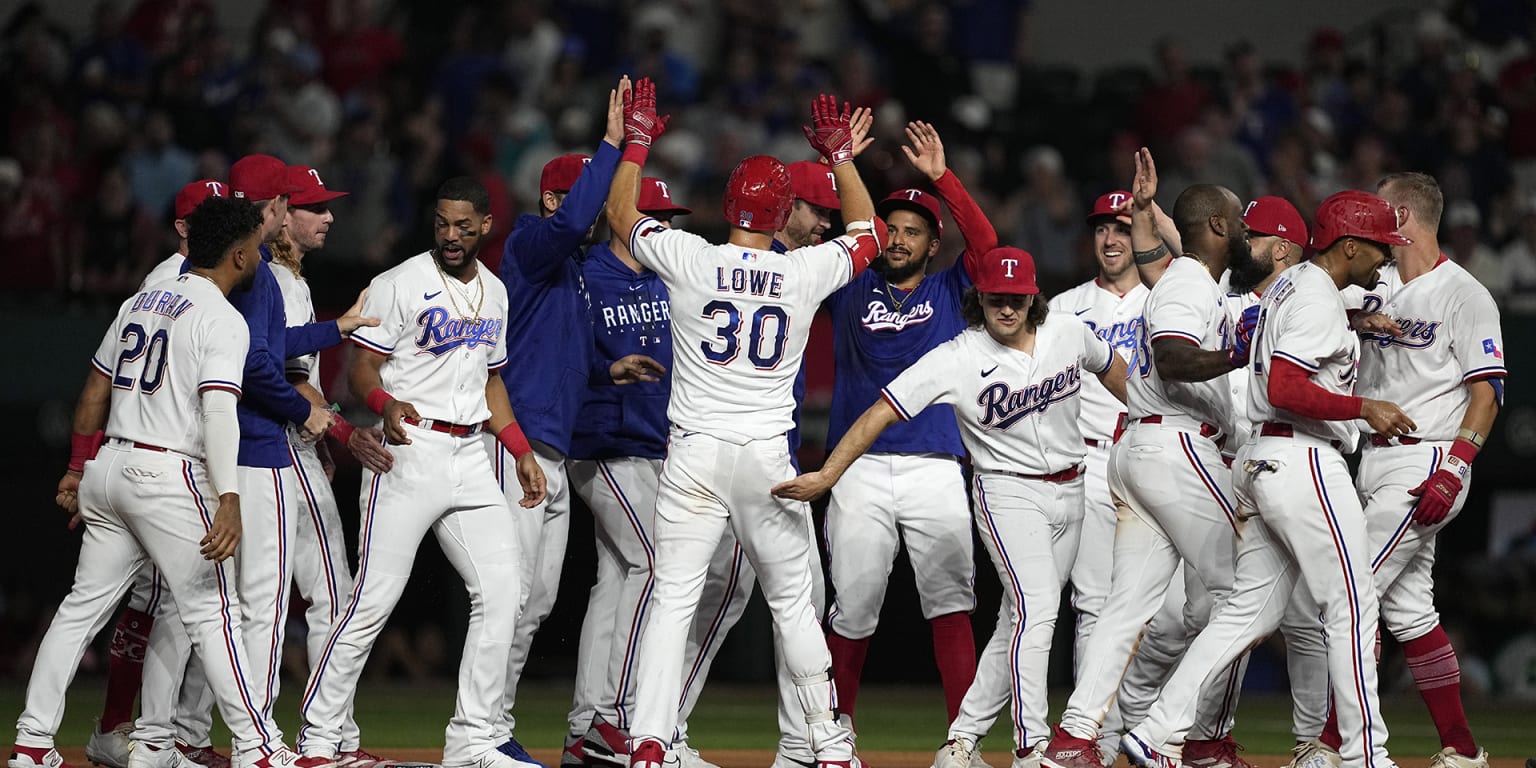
(656, 199)
(1276, 217)
(311, 190)
(1007, 270)
(260, 177)
(917, 201)
(195, 193)
(561, 173)
(1109, 204)
(812, 182)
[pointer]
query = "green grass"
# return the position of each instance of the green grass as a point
(742, 717)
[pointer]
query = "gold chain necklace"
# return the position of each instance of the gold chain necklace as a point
(451, 290)
(895, 302)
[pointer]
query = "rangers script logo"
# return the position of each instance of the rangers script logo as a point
(1003, 406)
(441, 334)
(880, 318)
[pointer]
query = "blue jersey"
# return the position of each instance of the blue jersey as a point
(630, 315)
(269, 403)
(548, 308)
(878, 332)
(799, 390)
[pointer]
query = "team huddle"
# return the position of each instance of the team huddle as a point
(1168, 438)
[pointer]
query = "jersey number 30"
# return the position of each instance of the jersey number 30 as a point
(730, 334)
(139, 344)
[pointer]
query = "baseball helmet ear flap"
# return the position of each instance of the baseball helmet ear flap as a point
(758, 196)
(1352, 213)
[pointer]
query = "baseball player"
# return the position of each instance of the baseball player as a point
(1431, 341)
(442, 330)
(109, 741)
(320, 569)
(1013, 379)
(909, 487)
(161, 412)
(540, 267)
(1300, 515)
(1277, 235)
(734, 326)
(1170, 485)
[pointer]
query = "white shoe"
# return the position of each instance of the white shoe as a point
(109, 749)
(976, 759)
(493, 758)
(1450, 758)
(684, 756)
(36, 757)
(143, 755)
(1030, 759)
(781, 760)
(1315, 754)
(958, 752)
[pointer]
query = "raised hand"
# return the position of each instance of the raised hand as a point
(1144, 186)
(831, 130)
(641, 125)
(926, 152)
(863, 120)
(613, 131)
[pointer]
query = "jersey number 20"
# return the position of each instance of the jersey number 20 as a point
(151, 348)
(730, 333)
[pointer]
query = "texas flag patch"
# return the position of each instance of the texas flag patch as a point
(1490, 347)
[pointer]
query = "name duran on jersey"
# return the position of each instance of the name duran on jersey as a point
(442, 333)
(161, 302)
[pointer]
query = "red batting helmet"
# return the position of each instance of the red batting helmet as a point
(758, 196)
(1352, 213)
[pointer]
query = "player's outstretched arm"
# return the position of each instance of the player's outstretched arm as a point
(1151, 252)
(925, 151)
(1113, 379)
(878, 418)
(504, 424)
(641, 127)
(364, 378)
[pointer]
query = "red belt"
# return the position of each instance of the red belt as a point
(1092, 443)
(1063, 476)
(137, 444)
(447, 427)
(1382, 441)
(1282, 429)
(1207, 429)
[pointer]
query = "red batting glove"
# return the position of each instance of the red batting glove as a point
(1242, 338)
(831, 131)
(641, 125)
(1438, 494)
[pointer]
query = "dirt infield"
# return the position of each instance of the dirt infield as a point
(750, 758)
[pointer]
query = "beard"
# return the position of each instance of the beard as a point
(1248, 269)
(892, 274)
(463, 267)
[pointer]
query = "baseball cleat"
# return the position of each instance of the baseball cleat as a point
(573, 754)
(1144, 755)
(207, 757)
(648, 753)
(1450, 758)
(683, 756)
(852, 762)
(109, 749)
(781, 760)
(1068, 751)
(358, 758)
(1216, 753)
(514, 750)
(605, 743)
(956, 753)
(144, 755)
(1314, 754)
(497, 758)
(36, 757)
(283, 757)
(1029, 758)
(977, 761)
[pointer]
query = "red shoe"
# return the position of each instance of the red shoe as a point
(1215, 753)
(1143, 754)
(36, 757)
(648, 753)
(358, 758)
(1068, 751)
(605, 743)
(207, 757)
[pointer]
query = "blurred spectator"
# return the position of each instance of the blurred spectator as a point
(31, 239)
(1175, 101)
(365, 230)
(1464, 246)
(118, 245)
(922, 70)
(1520, 259)
(158, 168)
(1049, 219)
(533, 45)
(1260, 109)
(1206, 153)
(358, 48)
(112, 65)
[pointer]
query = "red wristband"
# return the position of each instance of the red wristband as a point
(83, 448)
(635, 153)
(377, 399)
(341, 430)
(512, 438)
(1464, 449)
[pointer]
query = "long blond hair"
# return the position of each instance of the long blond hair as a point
(285, 254)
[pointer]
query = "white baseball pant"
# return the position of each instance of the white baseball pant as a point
(185, 689)
(1091, 568)
(445, 484)
(320, 569)
(1402, 551)
(708, 485)
(886, 500)
(1308, 522)
(1306, 663)
(1173, 502)
(542, 533)
(1030, 528)
(139, 503)
(727, 590)
(268, 510)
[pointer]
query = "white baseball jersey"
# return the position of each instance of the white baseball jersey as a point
(169, 343)
(1117, 320)
(1451, 336)
(299, 308)
(740, 320)
(165, 270)
(1237, 380)
(439, 344)
(1017, 412)
(1302, 320)
(1185, 304)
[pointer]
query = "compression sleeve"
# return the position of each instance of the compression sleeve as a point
(1291, 389)
(221, 440)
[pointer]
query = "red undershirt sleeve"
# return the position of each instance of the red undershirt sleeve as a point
(1291, 388)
